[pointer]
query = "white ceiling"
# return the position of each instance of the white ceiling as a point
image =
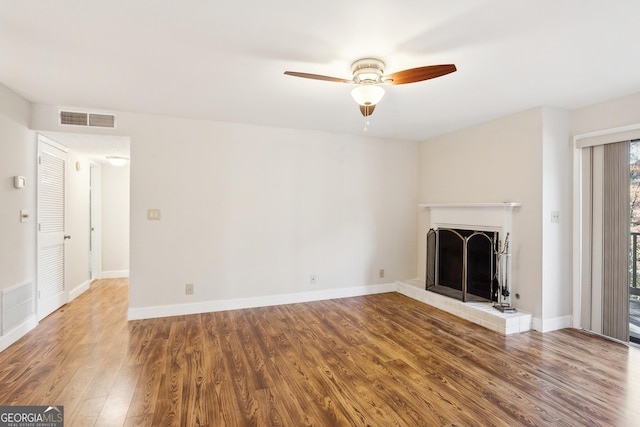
(224, 61)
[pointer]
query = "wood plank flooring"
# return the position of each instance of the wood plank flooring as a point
(379, 360)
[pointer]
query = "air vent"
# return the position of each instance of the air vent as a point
(102, 120)
(75, 118)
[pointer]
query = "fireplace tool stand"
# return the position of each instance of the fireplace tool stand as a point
(501, 278)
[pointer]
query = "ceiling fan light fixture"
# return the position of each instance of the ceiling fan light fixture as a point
(117, 160)
(367, 94)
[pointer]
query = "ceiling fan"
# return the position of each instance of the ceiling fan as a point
(368, 74)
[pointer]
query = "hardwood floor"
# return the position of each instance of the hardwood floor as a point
(379, 360)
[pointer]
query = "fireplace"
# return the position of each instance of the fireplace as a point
(468, 252)
(462, 264)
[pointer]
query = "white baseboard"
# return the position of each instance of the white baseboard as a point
(553, 324)
(136, 313)
(114, 274)
(18, 332)
(79, 290)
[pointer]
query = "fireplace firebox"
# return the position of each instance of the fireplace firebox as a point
(462, 264)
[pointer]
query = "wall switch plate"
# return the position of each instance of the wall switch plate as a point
(555, 216)
(24, 215)
(153, 214)
(188, 289)
(312, 279)
(381, 273)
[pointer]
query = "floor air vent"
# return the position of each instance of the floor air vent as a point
(75, 118)
(17, 306)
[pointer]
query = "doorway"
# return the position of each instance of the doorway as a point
(92, 185)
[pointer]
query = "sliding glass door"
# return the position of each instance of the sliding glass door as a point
(607, 256)
(634, 238)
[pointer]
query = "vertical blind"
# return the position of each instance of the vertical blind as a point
(615, 241)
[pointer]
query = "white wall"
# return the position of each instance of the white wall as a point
(252, 212)
(498, 161)
(77, 248)
(115, 220)
(607, 115)
(17, 157)
(557, 196)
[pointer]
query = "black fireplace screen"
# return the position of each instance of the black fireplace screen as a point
(462, 263)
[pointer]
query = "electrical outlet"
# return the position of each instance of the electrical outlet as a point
(381, 273)
(188, 289)
(312, 279)
(153, 214)
(555, 216)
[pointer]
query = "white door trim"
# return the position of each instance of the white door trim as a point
(96, 221)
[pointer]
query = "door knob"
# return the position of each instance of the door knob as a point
(66, 236)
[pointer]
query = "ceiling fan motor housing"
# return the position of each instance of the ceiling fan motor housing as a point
(368, 70)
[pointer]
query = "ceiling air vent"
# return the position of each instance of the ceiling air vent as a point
(76, 118)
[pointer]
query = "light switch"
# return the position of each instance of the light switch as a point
(153, 214)
(24, 215)
(555, 216)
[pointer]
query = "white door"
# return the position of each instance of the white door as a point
(52, 168)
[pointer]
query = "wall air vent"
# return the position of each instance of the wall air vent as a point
(73, 118)
(102, 120)
(76, 118)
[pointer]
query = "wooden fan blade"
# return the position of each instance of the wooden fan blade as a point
(419, 74)
(317, 77)
(367, 110)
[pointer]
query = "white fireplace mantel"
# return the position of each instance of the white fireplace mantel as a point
(472, 216)
(478, 217)
(500, 205)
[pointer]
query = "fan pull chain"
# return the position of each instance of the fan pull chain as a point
(366, 124)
